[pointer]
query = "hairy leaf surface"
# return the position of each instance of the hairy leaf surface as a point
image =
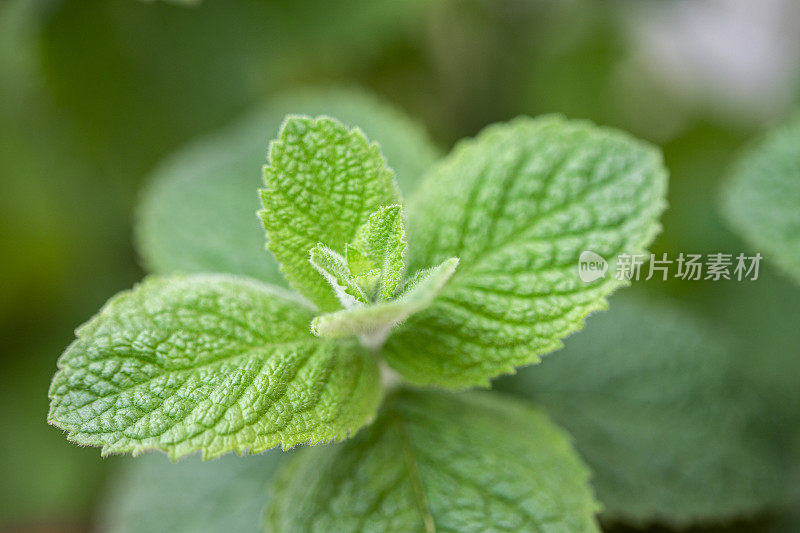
(376, 320)
(198, 212)
(323, 182)
(661, 414)
(334, 269)
(438, 462)
(212, 363)
(762, 198)
(226, 494)
(518, 204)
(383, 240)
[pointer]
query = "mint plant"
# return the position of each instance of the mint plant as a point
(475, 276)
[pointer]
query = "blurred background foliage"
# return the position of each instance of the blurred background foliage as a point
(94, 93)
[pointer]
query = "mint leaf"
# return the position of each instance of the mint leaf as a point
(762, 196)
(336, 272)
(209, 363)
(518, 205)
(322, 183)
(438, 462)
(359, 264)
(377, 255)
(660, 412)
(382, 239)
(375, 321)
(228, 494)
(209, 184)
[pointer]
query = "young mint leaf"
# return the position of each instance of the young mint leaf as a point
(227, 494)
(322, 183)
(210, 183)
(212, 363)
(334, 269)
(383, 241)
(373, 322)
(518, 205)
(439, 462)
(763, 194)
(660, 412)
(359, 264)
(377, 255)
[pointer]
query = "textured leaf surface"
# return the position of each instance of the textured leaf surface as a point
(226, 494)
(383, 240)
(377, 319)
(198, 212)
(762, 199)
(336, 272)
(437, 462)
(209, 363)
(322, 184)
(665, 421)
(518, 205)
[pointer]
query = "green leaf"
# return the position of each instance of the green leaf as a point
(762, 196)
(322, 183)
(518, 204)
(197, 213)
(212, 363)
(358, 263)
(334, 269)
(375, 321)
(226, 494)
(660, 412)
(377, 255)
(382, 239)
(439, 462)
